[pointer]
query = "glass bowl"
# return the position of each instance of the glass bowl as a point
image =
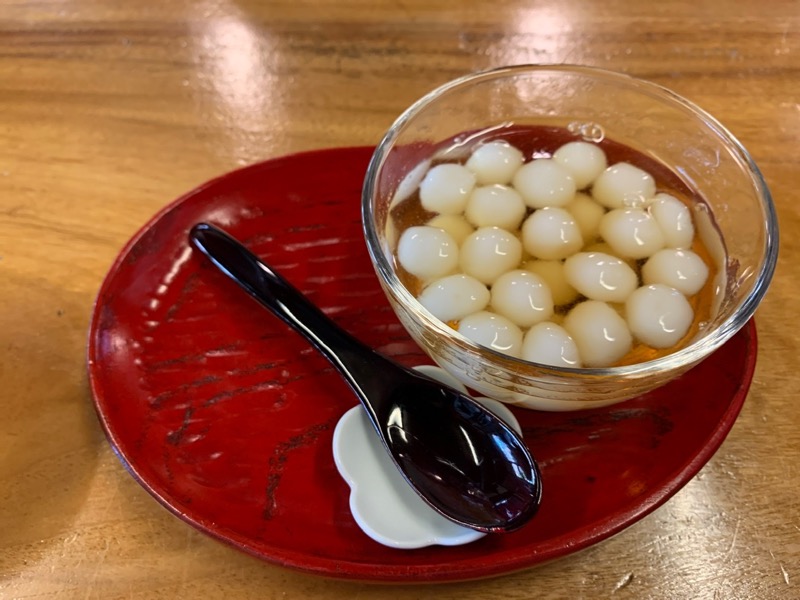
(590, 104)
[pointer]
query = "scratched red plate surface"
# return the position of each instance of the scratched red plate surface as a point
(226, 416)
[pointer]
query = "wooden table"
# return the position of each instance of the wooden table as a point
(109, 110)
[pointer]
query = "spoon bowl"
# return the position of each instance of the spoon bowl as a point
(465, 462)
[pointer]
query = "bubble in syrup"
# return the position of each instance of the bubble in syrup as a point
(588, 130)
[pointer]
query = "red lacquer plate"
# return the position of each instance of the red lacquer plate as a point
(226, 416)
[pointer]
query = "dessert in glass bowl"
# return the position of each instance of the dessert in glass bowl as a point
(564, 237)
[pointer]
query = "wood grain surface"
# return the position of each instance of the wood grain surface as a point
(109, 110)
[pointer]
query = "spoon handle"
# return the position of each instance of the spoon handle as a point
(467, 464)
(351, 357)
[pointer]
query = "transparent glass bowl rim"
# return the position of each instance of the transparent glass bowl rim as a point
(688, 355)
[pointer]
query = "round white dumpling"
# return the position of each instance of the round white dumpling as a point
(495, 162)
(680, 269)
(543, 182)
(454, 297)
(493, 331)
(658, 315)
(632, 232)
(622, 185)
(497, 205)
(587, 213)
(675, 220)
(601, 334)
(427, 252)
(456, 225)
(550, 344)
(583, 160)
(489, 252)
(600, 276)
(522, 297)
(446, 188)
(552, 271)
(551, 234)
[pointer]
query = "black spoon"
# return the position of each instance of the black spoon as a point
(465, 462)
